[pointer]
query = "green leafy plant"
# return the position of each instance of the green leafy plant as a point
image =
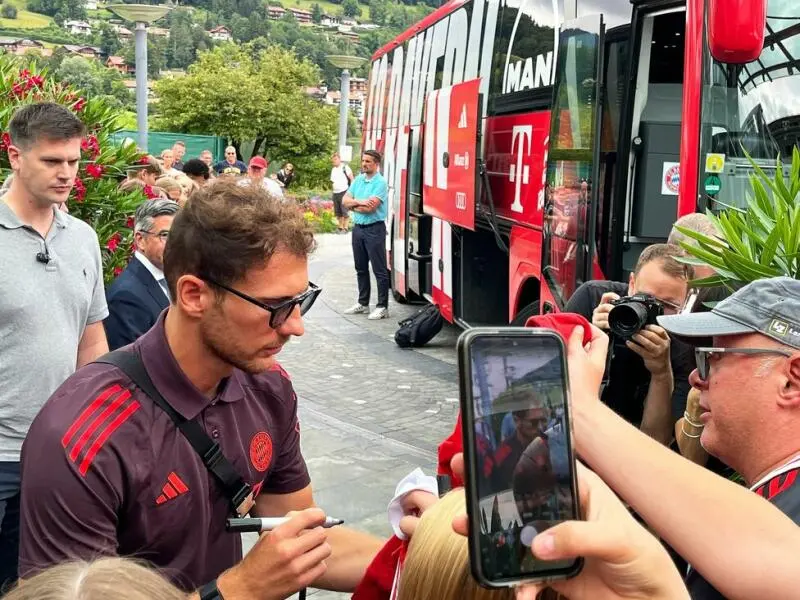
(758, 241)
(96, 197)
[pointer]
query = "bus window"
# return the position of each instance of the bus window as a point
(750, 109)
(616, 79)
(526, 36)
(615, 12)
(569, 166)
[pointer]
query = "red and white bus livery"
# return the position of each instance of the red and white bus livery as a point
(530, 145)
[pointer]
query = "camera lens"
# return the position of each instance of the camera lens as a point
(627, 319)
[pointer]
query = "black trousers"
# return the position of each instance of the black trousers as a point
(369, 246)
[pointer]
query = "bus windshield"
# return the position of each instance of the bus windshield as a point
(751, 109)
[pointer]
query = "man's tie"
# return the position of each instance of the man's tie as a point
(163, 283)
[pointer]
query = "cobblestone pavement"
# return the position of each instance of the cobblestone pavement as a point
(370, 412)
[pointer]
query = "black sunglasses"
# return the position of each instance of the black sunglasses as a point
(278, 313)
(702, 356)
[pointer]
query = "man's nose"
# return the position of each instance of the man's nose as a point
(696, 381)
(293, 325)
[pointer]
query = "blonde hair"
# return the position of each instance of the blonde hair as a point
(437, 563)
(698, 222)
(119, 578)
(168, 183)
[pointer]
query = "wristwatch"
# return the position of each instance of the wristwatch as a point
(210, 591)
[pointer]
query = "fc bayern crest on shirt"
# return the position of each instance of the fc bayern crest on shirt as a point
(261, 451)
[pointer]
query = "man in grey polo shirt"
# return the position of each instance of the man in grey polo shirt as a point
(52, 302)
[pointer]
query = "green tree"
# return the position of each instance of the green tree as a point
(180, 52)
(156, 55)
(377, 12)
(8, 11)
(350, 8)
(316, 13)
(243, 93)
(109, 41)
(95, 80)
(80, 73)
(61, 10)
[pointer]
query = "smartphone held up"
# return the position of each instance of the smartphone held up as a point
(518, 452)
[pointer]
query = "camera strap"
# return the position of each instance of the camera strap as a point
(238, 491)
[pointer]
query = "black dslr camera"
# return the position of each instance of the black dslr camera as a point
(631, 313)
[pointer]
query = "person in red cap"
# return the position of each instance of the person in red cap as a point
(256, 175)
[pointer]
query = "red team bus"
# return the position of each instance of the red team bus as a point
(531, 145)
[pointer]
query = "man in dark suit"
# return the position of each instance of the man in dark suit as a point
(140, 293)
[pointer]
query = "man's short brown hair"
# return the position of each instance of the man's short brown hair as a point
(374, 154)
(225, 229)
(666, 255)
(44, 121)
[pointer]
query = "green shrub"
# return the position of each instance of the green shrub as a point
(758, 241)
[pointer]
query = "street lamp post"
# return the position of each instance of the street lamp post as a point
(142, 15)
(345, 63)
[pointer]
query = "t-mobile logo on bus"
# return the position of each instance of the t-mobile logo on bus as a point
(521, 144)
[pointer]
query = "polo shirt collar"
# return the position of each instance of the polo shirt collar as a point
(170, 379)
(10, 220)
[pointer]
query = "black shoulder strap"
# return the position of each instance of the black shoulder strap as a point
(236, 489)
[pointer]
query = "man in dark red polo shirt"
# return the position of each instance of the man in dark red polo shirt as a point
(106, 472)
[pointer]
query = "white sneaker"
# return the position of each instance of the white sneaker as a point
(357, 309)
(379, 313)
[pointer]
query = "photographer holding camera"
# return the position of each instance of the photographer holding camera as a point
(647, 376)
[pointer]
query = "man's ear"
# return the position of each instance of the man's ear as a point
(14, 154)
(789, 395)
(193, 295)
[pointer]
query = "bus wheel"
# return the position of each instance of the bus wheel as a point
(525, 313)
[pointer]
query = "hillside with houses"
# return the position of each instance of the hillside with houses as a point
(87, 29)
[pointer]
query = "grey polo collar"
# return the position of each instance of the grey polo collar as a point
(10, 220)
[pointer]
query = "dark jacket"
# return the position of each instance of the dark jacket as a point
(627, 379)
(285, 177)
(135, 299)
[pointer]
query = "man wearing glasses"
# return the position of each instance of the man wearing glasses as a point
(231, 165)
(107, 472)
(647, 376)
(140, 293)
(749, 382)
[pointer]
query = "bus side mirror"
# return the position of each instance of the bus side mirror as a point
(736, 29)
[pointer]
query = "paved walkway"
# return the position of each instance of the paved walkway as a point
(370, 411)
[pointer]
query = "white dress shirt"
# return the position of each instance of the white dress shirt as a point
(157, 273)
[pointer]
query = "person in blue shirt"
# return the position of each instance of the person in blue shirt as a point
(366, 199)
(231, 165)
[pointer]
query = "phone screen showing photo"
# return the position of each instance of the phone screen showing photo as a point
(522, 461)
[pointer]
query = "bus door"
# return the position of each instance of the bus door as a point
(449, 179)
(647, 204)
(570, 199)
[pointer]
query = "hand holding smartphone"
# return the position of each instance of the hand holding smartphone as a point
(519, 458)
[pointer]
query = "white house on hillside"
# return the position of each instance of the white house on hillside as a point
(221, 34)
(90, 4)
(330, 20)
(78, 27)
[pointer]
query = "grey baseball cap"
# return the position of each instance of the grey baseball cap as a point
(770, 307)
